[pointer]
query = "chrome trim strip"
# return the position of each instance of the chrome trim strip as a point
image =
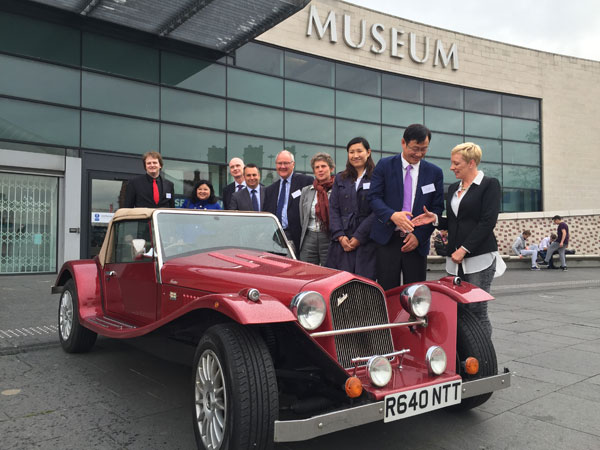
(301, 430)
(389, 355)
(383, 326)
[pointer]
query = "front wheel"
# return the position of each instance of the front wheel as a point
(235, 390)
(74, 338)
(472, 340)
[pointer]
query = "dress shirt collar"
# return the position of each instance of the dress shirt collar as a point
(405, 164)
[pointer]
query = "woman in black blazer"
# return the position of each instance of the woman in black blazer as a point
(472, 208)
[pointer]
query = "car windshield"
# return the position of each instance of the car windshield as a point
(187, 233)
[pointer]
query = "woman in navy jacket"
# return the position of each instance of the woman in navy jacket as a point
(350, 215)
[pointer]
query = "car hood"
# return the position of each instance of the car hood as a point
(231, 270)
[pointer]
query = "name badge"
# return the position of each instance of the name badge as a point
(366, 185)
(296, 194)
(168, 195)
(427, 189)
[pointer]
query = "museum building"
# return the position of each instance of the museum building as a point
(88, 86)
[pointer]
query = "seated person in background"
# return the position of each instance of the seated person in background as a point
(440, 241)
(521, 248)
(544, 243)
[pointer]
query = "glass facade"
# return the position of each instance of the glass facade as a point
(64, 87)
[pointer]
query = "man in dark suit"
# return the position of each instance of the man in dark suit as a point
(400, 187)
(236, 169)
(150, 190)
(282, 198)
(251, 198)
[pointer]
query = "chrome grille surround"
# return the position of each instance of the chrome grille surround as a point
(360, 304)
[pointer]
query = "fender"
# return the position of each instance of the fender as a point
(460, 293)
(85, 275)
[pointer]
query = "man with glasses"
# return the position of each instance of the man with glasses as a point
(400, 187)
(282, 198)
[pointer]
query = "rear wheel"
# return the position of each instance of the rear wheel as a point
(235, 390)
(472, 340)
(74, 338)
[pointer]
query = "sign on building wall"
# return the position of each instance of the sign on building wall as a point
(392, 41)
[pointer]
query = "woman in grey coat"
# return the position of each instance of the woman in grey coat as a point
(350, 215)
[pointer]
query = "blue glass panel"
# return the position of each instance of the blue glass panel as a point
(193, 109)
(194, 74)
(520, 130)
(356, 106)
(254, 87)
(119, 134)
(483, 125)
(304, 127)
(437, 119)
(192, 143)
(254, 119)
(346, 130)
(401, 113)
(309, 98)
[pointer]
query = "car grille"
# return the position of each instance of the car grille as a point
(364, 305)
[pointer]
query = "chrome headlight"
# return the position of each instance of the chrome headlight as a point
(380, 370)
(436, 360)
(416, 300)
(309, 308)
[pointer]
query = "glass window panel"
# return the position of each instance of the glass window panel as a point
(254, 119)
(193, 109)
(261, 58)
(359, 107)
(195, 74)
(520, 153)
(39, 81)
(358, 80)
(443, 95)
(120, 57)
(526, 108)
(118, 95)
(444, 164)
(119, 134)
(480, 101)
(31, 37)
(518, 200)
(483, 125)
(304, 127)
(341, 158)
(491, 148)
(304, 152)
(376, 155)
(437, 119)
(260, 151)
(520, 130)
(400, 113)
(33, 148)
(309, 69)
(521, 177)
(254, 87)
(491, 170)
(402, 88)
(442, 144)
(24, 121)
(346, 130)
(392, 139)
(184, 174)
(309, 98)
(192, 143)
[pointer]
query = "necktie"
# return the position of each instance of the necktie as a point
(155, 191)
(239, 187)
(407, 202)
(281, 201)
(254, 201)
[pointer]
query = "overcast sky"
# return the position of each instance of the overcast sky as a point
(566, 27)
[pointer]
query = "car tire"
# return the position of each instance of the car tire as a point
(74, 338)
(472, 340)
(234, 390)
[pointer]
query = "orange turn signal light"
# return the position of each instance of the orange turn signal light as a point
(353, 387)
(471, 365)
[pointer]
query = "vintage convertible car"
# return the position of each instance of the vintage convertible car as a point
(284, 350)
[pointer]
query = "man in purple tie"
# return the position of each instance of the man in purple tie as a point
(400, 186)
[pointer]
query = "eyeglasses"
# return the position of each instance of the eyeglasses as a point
(284, 163)
(418, 149)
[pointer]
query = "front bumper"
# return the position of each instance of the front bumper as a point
(301, 430)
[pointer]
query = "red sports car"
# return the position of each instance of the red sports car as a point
(285, 350)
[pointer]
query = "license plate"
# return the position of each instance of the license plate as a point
(418, 401)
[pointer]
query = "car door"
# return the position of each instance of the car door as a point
(129, 278)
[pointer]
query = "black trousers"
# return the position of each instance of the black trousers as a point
(395, 267)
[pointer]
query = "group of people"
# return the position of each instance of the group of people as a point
(373, 220)
(542, 253)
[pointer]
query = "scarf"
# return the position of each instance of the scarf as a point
(322, 206)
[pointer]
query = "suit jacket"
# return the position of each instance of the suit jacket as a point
(299, 180)
(306, 200)
(473, 228)
(139, 193)
(387, 195)
(228, 191)
(242, 200)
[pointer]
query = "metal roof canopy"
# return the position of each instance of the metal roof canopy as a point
(219, 25)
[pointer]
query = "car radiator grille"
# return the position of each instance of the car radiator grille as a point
(357, 304)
